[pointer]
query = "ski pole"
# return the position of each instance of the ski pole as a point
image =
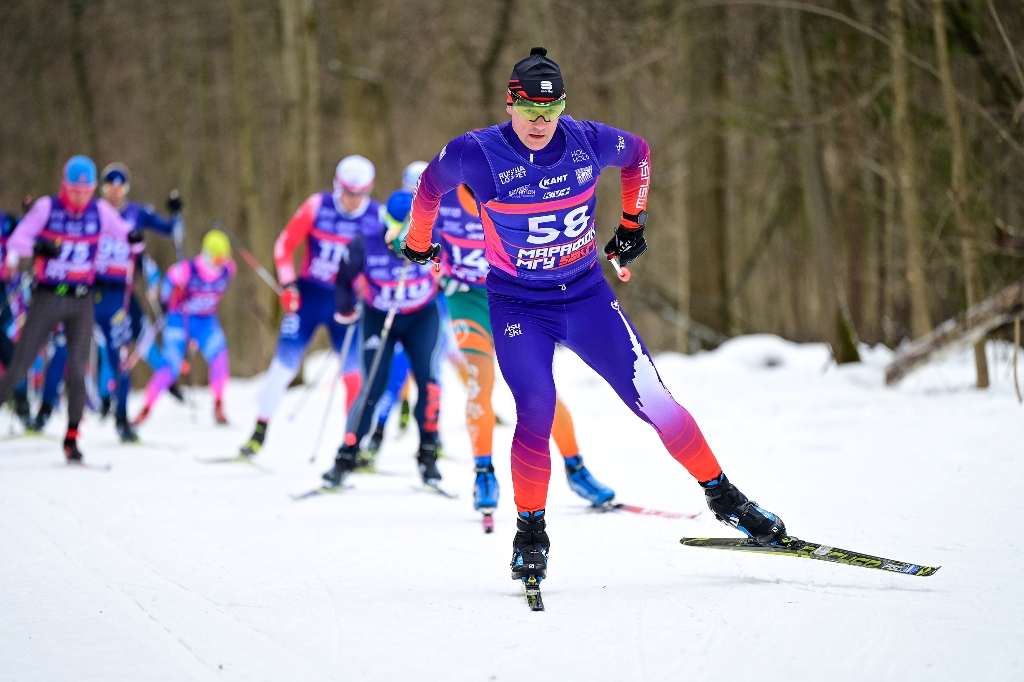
(142, 346)
(178, 231)
(323, 423)
(308, 389)
(620, 270)
(251, 259)
(364, 395)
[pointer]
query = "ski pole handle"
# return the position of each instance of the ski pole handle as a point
(623, 272)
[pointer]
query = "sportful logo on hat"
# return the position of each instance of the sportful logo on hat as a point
(536, 78)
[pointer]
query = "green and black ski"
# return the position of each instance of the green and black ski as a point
(790, 546)
(533, 597)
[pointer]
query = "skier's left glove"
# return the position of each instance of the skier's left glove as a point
(421, 257)
(46, 248)
(346, 319)
(174, 203)
(627, 244)
(9, 266)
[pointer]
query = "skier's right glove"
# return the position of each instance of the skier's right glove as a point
(46, 248)
(421, 257)
(174, 203)
(290, 299)
(627, 244)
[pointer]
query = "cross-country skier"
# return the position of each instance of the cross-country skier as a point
(10, 298)
(191, 294)
(398, 373)
(465, 268)
(326, 224)
(119, 317)
(412, 289)
(535, 177)
(63, 232)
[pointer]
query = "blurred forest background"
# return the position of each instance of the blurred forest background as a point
(812, 161)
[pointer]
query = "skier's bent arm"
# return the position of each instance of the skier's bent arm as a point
(294, 233)
(24, 236)
(150, 219)
(632, 154)
(443, 174)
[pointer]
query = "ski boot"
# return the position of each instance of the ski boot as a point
(427, 461)
(218, 413)
(255, 440)
(732, 508)
(42, 416)
(404, 415)
(125, 431)
(71, 451)
(530, 547)
(584, 484)
(23, 410)
(105, 405)
(485, 489)
(368, 458)
(175, 390)
(344, 464)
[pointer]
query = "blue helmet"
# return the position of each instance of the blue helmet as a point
(79, 170)
(396, 219)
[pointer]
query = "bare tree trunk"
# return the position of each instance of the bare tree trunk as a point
(489, 91)
(311, 99)
(906, 172)
(682, 239)
(815, 192)
(85, 101)
(300, 80)
(253, 220)
(972, 277)
(871, 284)
(705, 167)
(741, 28)
(889, 261)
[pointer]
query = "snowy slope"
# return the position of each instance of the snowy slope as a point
(167, 569)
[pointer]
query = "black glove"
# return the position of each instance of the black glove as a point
(628, 245)
(421, 257)
(135, 236)
(46, 248)
(174, 203)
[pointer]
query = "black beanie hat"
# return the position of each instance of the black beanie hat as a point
(536, 78)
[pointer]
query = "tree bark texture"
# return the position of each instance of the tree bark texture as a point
(906, 172)
(817, 205)
(958, 149)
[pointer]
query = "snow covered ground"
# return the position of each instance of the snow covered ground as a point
(168, 569)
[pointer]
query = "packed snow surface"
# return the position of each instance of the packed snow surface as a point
(168, 569)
